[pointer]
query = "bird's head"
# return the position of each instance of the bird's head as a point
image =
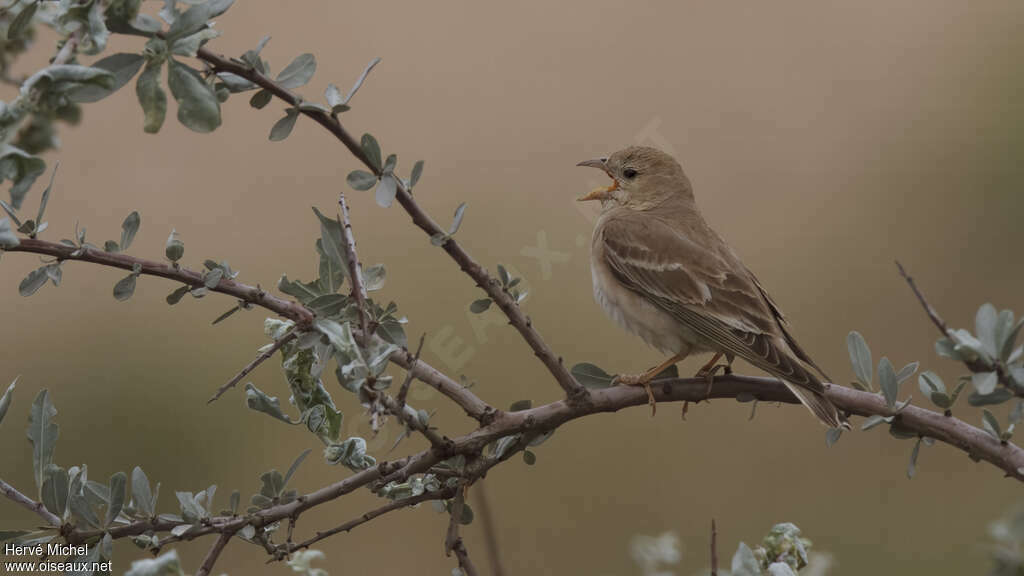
(642, 177)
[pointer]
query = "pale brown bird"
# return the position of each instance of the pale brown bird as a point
(662, 273)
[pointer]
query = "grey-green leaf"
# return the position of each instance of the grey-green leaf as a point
(417, 171)
(991, 424)
(198, 107)
(34, 281)
(457, 221)
(832, 436)
(283, 127)
(152, 97)
(128, 229)
(45, 198)
(42, 433)
(872, 421)
(997, 396)
(298, 72)
(122, 65)
(372, 150)
(142, 496)
(260, 99)
(361, 180)
(331, 240)
(5, 400)
(118, 482)
(373, 277)
(985, 328)
(930, 382)
(196, 17)
(744, 563)
(984, 382)
(520, 405)
(258, 400)
(17, 26)
(295, 466)
(591, 376)
(359, 81)
(213, 278)
(179, 293)
(21, 168)
(55, 489)
(906, 372)
(887, 381)
(481, 305)
(124, 288)
(8, 239)
(386, 191)
(912, 465)
(860, 357)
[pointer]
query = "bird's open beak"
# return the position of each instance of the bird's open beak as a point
(602, 193)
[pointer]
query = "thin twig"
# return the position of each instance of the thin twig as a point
(932, 314)
(472, 404)
(396, 505)
(489, 528)
(465, 563)
(27, 503)
(714, 548)
(251, 294)
(266, 354)
(573, 390)
(302, 316)
(455, 515)
(67, 51)
(411, 419)
(975, 365)
(355, 269)
(452, 540)
(214, 553)
(403, 392)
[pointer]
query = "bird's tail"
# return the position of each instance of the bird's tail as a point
(820, 406)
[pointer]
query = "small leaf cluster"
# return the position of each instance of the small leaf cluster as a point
(991, 354)
(383, 174)
(889, 380)
(508, 285)
(783, 552)
(274, 488)
(80, 503)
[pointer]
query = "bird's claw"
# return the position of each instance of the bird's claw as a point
(638, 380)
(708, 374)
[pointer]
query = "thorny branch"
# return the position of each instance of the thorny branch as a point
(355, 269)
(453, 540)
(263, 356)
(396, 505)
(211, 557)
(494, 424)
(27, 503)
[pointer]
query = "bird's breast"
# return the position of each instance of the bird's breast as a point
(633, 312)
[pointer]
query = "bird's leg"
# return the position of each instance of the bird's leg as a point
(707, 367)
(644, 379)
(709, 370)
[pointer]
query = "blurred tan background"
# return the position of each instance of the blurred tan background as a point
(823, 139)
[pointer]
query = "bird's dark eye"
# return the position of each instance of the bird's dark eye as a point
(629, 173)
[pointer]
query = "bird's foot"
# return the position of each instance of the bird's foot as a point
(639, 380)
(708, 374)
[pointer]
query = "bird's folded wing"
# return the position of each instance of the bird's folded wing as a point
(706, 289)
